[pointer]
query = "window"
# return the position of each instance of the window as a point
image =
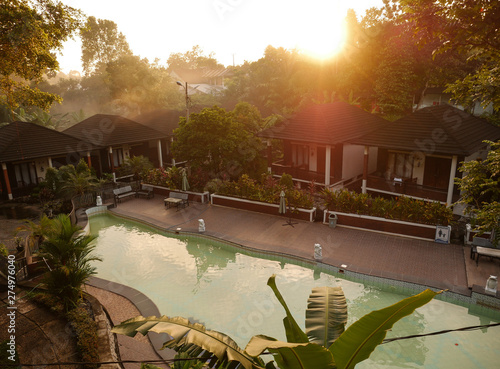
(300, 155)
(117, 157)
(25, 174)
(400, 165)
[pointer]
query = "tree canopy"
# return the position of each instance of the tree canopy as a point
(31, 31)
(101, 43)
(217, 142)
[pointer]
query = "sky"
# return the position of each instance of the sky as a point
(234, 30)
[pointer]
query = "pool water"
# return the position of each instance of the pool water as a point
(226, 289)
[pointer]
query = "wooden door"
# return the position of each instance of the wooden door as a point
(437, 172)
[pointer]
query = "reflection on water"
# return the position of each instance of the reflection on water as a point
(18, 211)
(226, 290)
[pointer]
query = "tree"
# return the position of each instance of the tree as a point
(68, 251)
(31, 31)
(101, 44)
(217, 143)
(469, 27)
(325, 344)
(138, 166)
(192, 59)
(480, 188)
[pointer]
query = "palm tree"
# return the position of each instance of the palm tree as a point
(68, 253)
(325, 345)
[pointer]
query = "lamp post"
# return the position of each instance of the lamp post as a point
(187, 98)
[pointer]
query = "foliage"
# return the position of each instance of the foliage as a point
(101, 43)
(82, 322)
(3, 250)
(136, 165)
(216, 142)
(192, 59)
(480, 188)
(69, 253)
(266, 191)
(32, 30)
(326, 309)
(469, 27)
(286, 180)
(401, 208)
(86, 332)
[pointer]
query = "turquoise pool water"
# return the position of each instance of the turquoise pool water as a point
(225, 289)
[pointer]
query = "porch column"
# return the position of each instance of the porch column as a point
(173, 159)
(49, 159)
(328, 154)
(111, 162)
(89, 161)
(453, 169)
(365, 171)
(7, 183)
(160, 156)
(269, 157)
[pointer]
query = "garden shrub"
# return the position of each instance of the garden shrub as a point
(267, 191)
(401, 208)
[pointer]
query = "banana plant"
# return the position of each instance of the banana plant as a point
(324, 345)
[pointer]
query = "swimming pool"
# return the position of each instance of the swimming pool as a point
(225, 289)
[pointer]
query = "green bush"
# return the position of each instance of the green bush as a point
(3, 250)
(267, 191)
(401, 208)
(86, 331)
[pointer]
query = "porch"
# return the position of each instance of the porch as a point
(403, 186)
(300, 174)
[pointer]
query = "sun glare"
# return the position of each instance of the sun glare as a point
(323, 37)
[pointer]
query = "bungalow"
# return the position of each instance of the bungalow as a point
(165, 121)
(418, 155)
(120, 138)
(316, 144)
(28, 149)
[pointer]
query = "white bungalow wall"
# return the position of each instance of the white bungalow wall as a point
(353, 160)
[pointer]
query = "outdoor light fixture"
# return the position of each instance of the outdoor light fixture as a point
(177, 230)
(491, 285)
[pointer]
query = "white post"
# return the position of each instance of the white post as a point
(365, 170)
(328, 155)
(453, 169)
(50, 162)
(160, 157)
(173, 160)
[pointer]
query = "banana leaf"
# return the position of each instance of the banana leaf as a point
(326, 315)
(292, 355)
(292, 329)
(192, 338)
(362, 337)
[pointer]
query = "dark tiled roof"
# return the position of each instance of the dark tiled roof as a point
(162, 120)
(109, 130)
(440, 129)
(326, 124)
(23, 140)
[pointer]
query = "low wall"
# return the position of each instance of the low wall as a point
(397, 227)
(261, 207)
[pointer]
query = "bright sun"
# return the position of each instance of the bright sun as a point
(323, 36)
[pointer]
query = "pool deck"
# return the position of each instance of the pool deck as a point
(421, 262)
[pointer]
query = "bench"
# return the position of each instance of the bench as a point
(176, 199)
(479, 242)
(122, 192)
(146, 191)
(486, 251)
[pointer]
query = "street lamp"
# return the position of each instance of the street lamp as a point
(187, 98)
